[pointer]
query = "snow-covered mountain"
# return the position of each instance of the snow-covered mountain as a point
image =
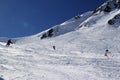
(80, 44)
(65, 27)
(81, 20)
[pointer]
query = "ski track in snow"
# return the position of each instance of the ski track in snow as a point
(17, 63)
(38, 61)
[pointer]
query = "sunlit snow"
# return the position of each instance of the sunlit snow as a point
(79, 52)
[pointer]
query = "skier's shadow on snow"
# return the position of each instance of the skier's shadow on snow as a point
(1, 78)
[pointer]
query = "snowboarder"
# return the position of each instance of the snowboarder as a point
(9, 42)
(106, 53)
(54, 47)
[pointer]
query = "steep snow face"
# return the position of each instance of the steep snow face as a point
(100, 19)
(65, 27)
(103, 35)
(108, 6)
(109, 9)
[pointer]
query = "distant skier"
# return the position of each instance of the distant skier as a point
(106, 53)
(9, 42)
(54, 47)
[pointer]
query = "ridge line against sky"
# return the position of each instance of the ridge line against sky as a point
(19, 18)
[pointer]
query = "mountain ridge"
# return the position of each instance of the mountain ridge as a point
(81, 20)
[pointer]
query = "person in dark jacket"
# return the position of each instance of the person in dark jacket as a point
(106, 53)
(9, 42)
(54, 47)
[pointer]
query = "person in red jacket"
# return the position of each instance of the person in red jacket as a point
(9, 42)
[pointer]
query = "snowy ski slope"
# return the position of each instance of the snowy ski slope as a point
(78, 55)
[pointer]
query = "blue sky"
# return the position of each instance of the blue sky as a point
(19, 18)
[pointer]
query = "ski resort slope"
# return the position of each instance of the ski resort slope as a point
(34, 59)
(79, 55)
(38, 61)
(80, 45)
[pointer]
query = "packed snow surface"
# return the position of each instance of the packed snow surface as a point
(78, 54)
(34, 59)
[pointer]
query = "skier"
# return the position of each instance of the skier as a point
(9, 42)
(106, 53)
(54, 47)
